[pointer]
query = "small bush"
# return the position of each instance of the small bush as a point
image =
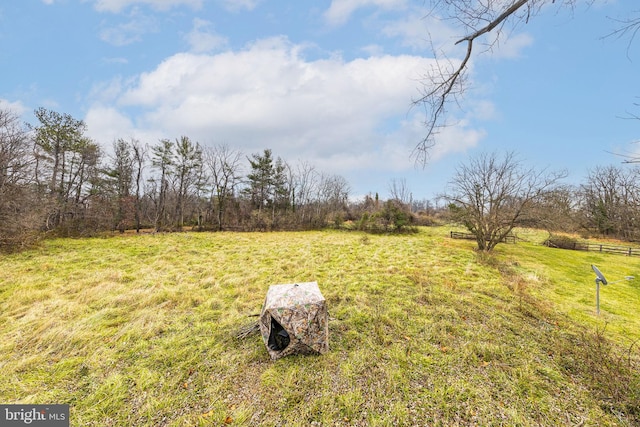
(561, 242)
(424, 219)
(393, 217)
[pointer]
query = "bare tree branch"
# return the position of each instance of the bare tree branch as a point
(446, 84)
(629, 26)
(493, 24)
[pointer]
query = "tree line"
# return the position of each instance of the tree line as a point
(54, 180)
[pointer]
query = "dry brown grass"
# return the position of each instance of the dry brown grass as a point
(141, 330)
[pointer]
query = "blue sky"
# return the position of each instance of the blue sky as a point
(326, 82)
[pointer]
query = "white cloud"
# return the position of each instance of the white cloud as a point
(373, 50)
(335, 113)
(116, 6)
(106, 124)
(510, 46)
(131, 31)
(107, 92)
(340, 11)
(202, 38)
(236, 5)
(458, 137)
(17, 107)
(422, 31)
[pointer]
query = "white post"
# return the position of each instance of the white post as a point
(598, 297)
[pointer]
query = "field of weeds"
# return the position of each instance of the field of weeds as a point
(141, 330)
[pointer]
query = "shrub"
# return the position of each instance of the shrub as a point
(561, 242)
(393, 217)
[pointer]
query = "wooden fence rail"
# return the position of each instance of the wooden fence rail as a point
(577, 246)
(620, 250)
(471, 236)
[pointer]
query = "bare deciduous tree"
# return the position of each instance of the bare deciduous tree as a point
(139, 160)
(491, 195)
(611, 201)
(399, 190)
(224, 166)
(555, 210)
(306, 186)
(332, 197)
(162, 160)
(20, 210)
(15, 156)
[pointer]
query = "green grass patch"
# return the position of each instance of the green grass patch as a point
(141, 330)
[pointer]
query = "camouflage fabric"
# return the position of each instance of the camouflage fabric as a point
(294, 320)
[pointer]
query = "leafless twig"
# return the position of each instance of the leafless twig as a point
(447, 82)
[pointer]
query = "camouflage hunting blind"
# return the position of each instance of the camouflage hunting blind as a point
(294, 320)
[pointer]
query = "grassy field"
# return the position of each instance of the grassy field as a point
(141, 331)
